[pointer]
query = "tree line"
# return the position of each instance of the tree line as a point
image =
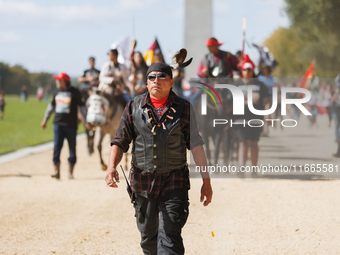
(13, 77)
(313, 34)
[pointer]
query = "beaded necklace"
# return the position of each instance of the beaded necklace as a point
(153, 122)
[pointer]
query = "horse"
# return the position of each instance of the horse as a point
(205, 123)
(85, 93)
(113, 116)
(114, 103)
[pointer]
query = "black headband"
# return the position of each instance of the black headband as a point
(160, 67)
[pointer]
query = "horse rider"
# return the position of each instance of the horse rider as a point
(115, 74)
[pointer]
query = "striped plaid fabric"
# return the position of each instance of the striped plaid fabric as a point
(150, 185)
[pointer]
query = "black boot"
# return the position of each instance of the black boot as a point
(70, 172)
(56, 171)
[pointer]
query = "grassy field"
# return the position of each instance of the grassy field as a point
(21, 124)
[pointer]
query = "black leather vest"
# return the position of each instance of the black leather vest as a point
(162, 150)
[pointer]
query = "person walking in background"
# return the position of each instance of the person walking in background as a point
(47, 93)
(267, 79)
(337, 80)
(294, 110)
(312, 106)
(326, 102)
(335, 100)
(23, 93)
(40, 92)
(249, 136)
(65, 104)
(2, 104)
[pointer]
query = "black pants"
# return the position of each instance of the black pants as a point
(160, 222)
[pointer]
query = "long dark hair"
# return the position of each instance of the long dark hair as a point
(142, 63)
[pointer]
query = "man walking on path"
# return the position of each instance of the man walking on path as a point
(65, 104)
(158, 122)
(2, 104)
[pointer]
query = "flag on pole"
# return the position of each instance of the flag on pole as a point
(123, 46)
(266, 58)
(306, 78)
(154, 49)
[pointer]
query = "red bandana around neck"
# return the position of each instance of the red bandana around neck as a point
(159, 103)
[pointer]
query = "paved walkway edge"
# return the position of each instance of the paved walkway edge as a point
(31, 150)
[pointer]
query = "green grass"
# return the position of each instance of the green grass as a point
(21, 124)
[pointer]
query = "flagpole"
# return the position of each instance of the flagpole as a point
(244, 35)
(133, 28)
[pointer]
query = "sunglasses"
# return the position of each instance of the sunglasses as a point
(247, 69)
(161, 76)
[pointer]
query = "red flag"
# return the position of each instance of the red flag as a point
(308, 75)
(154, 49)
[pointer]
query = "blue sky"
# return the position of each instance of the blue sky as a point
(59, 36)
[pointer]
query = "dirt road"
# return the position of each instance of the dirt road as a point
(40, 215)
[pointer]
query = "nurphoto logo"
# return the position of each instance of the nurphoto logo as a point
(242, 97)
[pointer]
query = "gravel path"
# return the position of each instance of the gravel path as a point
(267, 215)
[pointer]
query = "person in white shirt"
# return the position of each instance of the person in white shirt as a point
(113, 72)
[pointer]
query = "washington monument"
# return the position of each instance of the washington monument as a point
(198, 28)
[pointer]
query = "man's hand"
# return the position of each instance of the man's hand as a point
(90, 78)
(94, 83)
(206, 191)
(200, 160)
(43, 124)
(205, 72)
(112, 178)
(118, 74)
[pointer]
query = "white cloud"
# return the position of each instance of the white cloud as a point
(9, 38)
(16, 14)
(19, 14)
